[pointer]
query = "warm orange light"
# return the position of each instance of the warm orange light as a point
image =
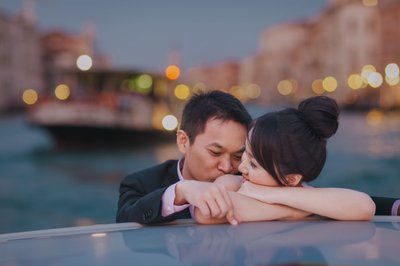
(172, 72)
(62, 92)
(355, 81)
(253, 91)
(30, 96)
(370, 2)
(374, 117)
(329, 84)
(317, 87)
(182, 92)
(285, 87)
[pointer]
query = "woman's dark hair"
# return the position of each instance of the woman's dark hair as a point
(293, 141)
(212, 105)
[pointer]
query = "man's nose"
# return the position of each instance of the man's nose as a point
(226, 166)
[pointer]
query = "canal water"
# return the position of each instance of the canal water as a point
(43, 187)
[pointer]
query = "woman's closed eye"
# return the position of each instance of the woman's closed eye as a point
(252, 164)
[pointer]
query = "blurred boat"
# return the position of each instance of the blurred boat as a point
(107, 107)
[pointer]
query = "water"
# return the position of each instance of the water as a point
(42, 187)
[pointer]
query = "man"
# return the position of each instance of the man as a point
(211, 137)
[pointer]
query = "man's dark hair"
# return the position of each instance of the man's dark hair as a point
(211, 105)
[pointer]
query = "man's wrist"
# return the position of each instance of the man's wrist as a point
(179, 194)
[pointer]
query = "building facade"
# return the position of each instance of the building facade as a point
(337, 43)
(20, 60)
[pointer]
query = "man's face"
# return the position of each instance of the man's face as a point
(215, 152)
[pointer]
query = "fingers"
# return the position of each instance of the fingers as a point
(203, 207)
(223, 202)
(222, 205)
(212, 200)
(213, 206)
(231, 218)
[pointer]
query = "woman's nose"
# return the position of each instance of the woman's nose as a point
(242, 168)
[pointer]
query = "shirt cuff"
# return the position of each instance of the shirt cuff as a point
(168, 199)
(395, 208)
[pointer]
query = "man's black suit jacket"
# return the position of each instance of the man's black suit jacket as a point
(140, 196)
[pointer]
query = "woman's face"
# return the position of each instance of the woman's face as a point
(253, 172)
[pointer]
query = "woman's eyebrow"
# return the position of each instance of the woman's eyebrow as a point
(249, 154)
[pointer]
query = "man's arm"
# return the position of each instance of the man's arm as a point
(141, 193)
(334, 203)
(249, 210)
(135, 205)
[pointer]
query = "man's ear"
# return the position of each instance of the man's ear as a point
(182, 141)
(294, 179)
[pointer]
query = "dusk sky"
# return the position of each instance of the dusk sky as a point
(140, 34)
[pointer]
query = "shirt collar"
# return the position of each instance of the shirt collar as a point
(179, 168)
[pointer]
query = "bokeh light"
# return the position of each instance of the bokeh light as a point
(169, 122)
(285, 87)
(238, 92)
(375, 80)
(329, 84)
(182, 92)
(366, 71)
(355, 81)
(252, 91)
(392, 70)
(392, 81)
(144, 81)
(62, 92)
(30, 96)
(84, 62)
(317, 87)
(172, 72)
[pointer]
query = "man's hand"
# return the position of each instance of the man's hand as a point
(211, 199)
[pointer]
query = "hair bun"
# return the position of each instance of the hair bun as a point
(321, 114)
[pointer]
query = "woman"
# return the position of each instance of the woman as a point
(284, 150)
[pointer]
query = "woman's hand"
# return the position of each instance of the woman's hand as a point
(258, 192)
(230, 182)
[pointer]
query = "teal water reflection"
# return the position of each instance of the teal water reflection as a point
(42, 187)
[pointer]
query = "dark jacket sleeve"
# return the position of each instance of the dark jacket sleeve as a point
(140, 195)
(383, 205)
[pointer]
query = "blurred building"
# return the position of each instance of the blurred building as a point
(301, 59)
(20, 60)
(60, 51)
(37, 61)
(221, 76)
